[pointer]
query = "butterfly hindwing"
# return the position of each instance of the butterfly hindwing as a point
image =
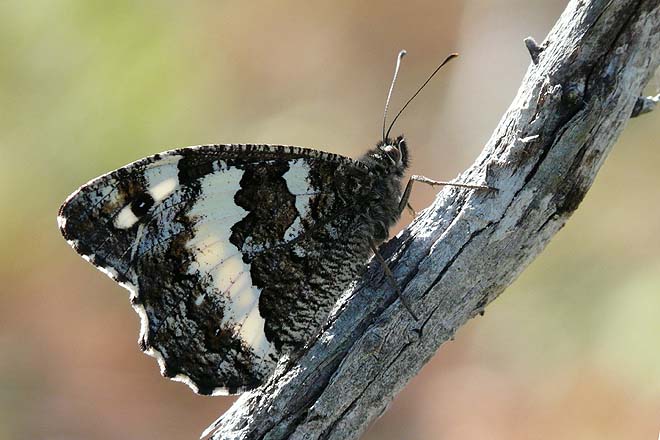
(233, 253)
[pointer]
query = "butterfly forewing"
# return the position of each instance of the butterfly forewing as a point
(233, 253)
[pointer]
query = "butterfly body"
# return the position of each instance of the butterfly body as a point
(235, 254)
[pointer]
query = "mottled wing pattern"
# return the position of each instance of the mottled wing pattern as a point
(233, 254)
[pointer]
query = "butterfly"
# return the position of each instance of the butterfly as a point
(235, 254)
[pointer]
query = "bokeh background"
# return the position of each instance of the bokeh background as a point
(571, 350)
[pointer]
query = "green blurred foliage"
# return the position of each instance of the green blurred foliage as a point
(569, 351)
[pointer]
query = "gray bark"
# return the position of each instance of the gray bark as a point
(464, 250)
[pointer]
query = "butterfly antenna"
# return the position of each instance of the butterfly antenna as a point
(389, 94)
(448, 59)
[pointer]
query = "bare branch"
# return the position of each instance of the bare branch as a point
(464, 250)
(533, 48)
(645, 104)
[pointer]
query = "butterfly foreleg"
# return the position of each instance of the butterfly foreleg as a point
(411, 209)
(403, 203)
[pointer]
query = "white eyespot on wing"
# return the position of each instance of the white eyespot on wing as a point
(162, 178)
(163, 189)
(161, 181)
(217, 259)
(125, 219)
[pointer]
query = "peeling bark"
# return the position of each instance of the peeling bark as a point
(464, 250)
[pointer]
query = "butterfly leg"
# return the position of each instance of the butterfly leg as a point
(411, 210)
(390, 277)
(415, 178)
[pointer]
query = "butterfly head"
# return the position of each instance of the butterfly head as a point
(390, 156)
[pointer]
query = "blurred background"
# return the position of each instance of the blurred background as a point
(571, 350)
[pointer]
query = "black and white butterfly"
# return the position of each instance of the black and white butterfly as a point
(235, 254)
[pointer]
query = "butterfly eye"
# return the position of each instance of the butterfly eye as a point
(393, 153)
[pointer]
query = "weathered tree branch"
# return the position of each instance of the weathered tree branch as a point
(464, 250)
